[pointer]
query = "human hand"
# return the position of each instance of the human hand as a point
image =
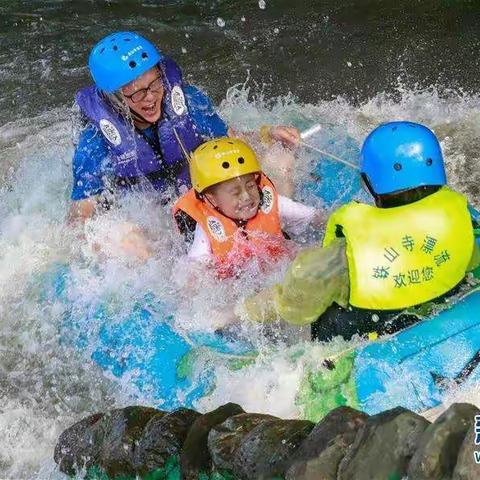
(110, 239)
(278, 164)
(319, 219)
(135, 245)
(289, 136)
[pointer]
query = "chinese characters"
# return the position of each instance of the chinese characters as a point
(428, 246)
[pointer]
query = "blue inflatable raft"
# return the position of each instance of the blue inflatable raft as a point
(142, 349)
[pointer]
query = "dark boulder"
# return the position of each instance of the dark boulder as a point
(438, 449)
(162, 437)
(123, 427)
(266, 451)
(320, 454)
(78, 447)
(106, 441)
(467, 467)
(383, 447)
(224, 439)
(195, 457)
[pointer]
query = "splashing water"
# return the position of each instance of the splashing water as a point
(45, 384)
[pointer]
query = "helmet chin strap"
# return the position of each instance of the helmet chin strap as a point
(367, 185)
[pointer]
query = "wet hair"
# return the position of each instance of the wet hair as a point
(403, 197)
(119, 103)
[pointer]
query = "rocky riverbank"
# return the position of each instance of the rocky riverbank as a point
(229, 443)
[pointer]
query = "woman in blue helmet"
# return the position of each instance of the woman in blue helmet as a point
(414, 246)
(140, 118)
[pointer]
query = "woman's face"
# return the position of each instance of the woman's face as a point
(144, 95)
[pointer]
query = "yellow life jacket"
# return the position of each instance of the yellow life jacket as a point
(404, 256)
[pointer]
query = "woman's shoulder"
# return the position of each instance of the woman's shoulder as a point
(197, 99)
(203, 112)
(91, 150)
(89, 137)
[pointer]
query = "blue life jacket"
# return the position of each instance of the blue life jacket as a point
(134, 156)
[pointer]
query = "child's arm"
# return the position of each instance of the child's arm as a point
(287, 135)
(295, 216)
(200, 249)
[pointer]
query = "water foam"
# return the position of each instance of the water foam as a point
(47, 386)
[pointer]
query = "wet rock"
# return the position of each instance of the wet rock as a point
(439, 446)
(467, 468)
(383, 446)
(266, 450)
(323, 467)
(162, 437)
(195, 457)
(123, 428)
(224, 439)
(321, 452)
(78, 446)
(104, 440)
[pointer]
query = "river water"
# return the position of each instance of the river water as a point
(346, 64)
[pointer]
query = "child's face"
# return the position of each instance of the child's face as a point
(238, 198)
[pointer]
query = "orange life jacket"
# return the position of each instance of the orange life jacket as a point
(233, 246)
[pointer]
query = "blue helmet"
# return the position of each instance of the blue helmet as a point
(120, 58)
(400, 156)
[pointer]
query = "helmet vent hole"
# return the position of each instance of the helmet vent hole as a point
(115, 47)
(127, 39)
(102, 50)
(241, 160)
(144, 55)
(225, 165)
(215, 147)
(133, 64)
(429, 162)
(397, 166)
(394, 128)
(231, 143)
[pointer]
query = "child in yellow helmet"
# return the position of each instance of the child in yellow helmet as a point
(233, 212)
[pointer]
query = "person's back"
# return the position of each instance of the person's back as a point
(413, 247)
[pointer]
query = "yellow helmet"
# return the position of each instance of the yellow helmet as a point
(219, 160)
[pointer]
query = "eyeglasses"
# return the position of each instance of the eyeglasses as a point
(139, 95)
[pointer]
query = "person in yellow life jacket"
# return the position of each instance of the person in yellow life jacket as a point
(379, 263)
(233, 212)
